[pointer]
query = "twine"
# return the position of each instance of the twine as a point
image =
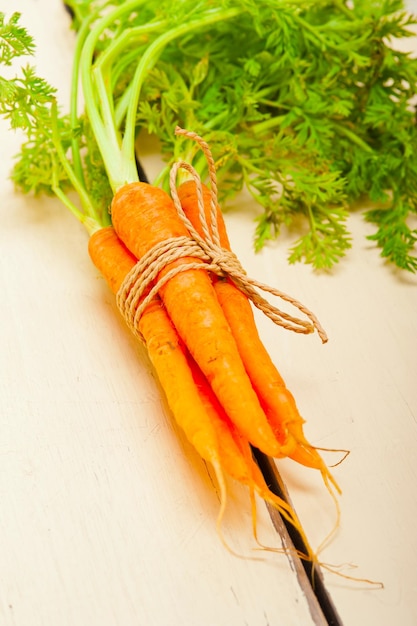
(209, 255)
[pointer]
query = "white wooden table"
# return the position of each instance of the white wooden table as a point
(107, 517)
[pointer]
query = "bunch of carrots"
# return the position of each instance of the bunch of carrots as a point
(199, 330)
(192, 314)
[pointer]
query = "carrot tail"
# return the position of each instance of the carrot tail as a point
(236, 455)
(235, 450)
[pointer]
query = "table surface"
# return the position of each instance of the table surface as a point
(108, 517)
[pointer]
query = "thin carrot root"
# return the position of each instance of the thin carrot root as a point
(235, 452)
(335, 570)
(309, 555)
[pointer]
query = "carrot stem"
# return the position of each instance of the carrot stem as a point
(105, 133)
(119, 153)
(75, 144)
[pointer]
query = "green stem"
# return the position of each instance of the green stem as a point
(310, 216)
(75, 181)
(267, 125)
(106, 105)
(90, 223)
(341, 6)
(105, 133)
(109, 75)
(146, 63)
(353, 137)
(122, 105)
(126, 39)
(162, 176)
(120, 68)
(75, 145)
(249, 186)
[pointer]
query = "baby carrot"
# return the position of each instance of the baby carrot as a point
(144, 216)
(165, 350)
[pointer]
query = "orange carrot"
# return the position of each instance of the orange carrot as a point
(144, 216)
(276, 399)
(165, 350)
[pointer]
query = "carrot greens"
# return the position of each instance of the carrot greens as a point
(308, 105)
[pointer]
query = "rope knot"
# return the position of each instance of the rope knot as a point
(226, 261)
(142, 284)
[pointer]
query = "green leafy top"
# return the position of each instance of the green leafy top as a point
(14, 40)
(305, 103)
